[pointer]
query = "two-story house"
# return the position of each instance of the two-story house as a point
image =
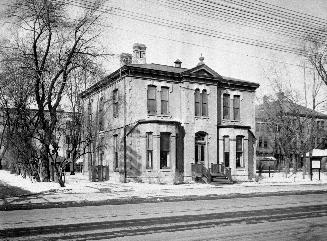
(287, 130)
(154, 121)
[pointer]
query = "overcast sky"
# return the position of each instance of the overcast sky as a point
(165, 44)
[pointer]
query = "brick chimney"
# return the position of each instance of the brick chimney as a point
(139, 54)
(178, 63)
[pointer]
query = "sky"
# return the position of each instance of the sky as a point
(165, 44)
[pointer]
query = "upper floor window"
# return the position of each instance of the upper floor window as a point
(101, 114)
(151, 100)
(197, 102)
(115, 102)
(164, 100)
(204, 103)
(236, 107)
(226, 104)
(89, 112)
(239, 151)
(200, 103)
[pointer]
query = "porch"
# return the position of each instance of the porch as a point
(217, 173)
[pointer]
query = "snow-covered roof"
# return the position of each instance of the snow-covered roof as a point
(318, 153)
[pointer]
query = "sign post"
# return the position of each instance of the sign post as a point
(315, 164)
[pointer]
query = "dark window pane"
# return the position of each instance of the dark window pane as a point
(152, 106)
(196, 153)
(226, 104)
(226, 159)
(164, 159)
(238, 159)
(236, 106)
(202, 153)
(239, 144)
(204, 103)
(197, 102)
(164, 141)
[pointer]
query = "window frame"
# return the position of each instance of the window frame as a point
(236, 107)
(204, 103)
(115, 102)
(239, 152)
(226, 143)
(115, 151)
(164, 102)
(152, 102)
(197, 103)
(149, 150)
(166, 152)
(226, 106)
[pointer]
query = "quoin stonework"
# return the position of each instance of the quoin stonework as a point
(152, 122)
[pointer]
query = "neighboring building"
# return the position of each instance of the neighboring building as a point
(268, 130)
(174, 117)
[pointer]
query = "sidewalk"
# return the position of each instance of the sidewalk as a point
(80, 192)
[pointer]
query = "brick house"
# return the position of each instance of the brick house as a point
(296, 121)
(174, 118)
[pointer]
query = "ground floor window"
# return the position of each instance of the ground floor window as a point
(239, 151)
(164, 150)
(149, 150)
(115, 152)
(226, 151)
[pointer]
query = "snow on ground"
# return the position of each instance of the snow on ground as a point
(79, 189)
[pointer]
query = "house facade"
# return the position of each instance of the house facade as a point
(151, 122)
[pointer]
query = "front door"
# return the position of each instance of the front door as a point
(200, 147)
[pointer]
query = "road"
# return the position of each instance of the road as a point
(285, 217)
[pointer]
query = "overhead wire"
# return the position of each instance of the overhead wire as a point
(192, 28)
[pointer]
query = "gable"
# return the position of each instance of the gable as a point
(202, 70)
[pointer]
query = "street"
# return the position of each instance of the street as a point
(285, 217)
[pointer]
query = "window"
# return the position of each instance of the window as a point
(115, 102)
(115, 152)
(239, 151)
(101, 150)
(200, 144)
(236, 107)
(197, 102)
(260, 141)
(101, 114)
(226, 103)
(164, 150)
(67, 139)
(152, 103)
(204, 103)
(149, 150)
(164, 100)
(265, 142)
(89, 112)
(226, 151)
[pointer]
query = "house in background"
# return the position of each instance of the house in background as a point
(302, 128)
(153, 122)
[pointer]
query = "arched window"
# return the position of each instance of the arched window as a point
(204, 103)
(197, 100)
(151, 100)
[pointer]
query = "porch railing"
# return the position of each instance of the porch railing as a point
(200, 171)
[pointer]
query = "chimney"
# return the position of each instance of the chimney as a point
(178, 63)
(125, 59)
(139, 56)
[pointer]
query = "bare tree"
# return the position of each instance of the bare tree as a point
(51, 47)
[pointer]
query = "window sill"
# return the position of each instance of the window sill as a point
(240, 168)
(202, 117)
(160, 115)
(167, 169)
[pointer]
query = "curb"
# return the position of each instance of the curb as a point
(137, 200)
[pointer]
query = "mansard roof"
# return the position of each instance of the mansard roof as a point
(201, 73)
